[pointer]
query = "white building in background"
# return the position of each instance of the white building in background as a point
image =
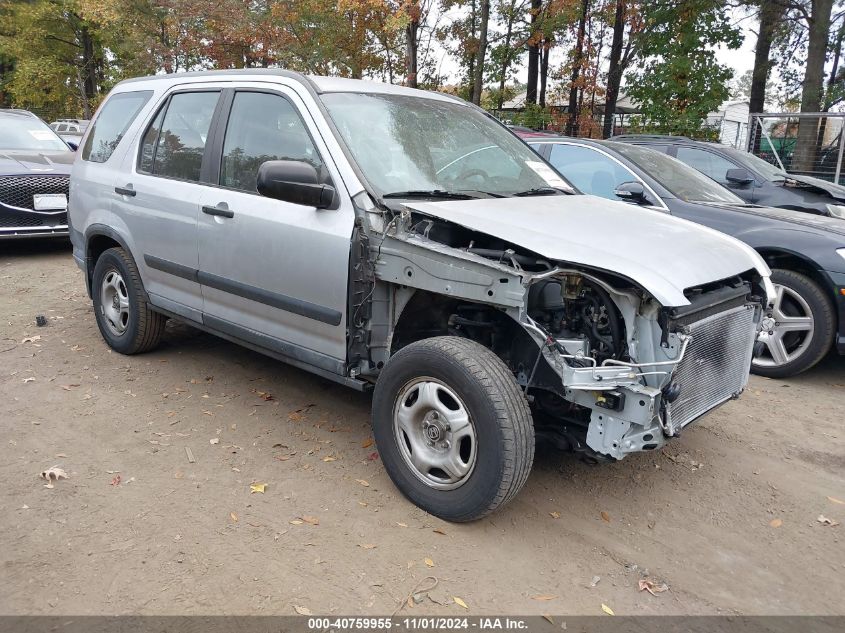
(731, 120)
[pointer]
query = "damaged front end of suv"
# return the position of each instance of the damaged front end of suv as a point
(612, 360)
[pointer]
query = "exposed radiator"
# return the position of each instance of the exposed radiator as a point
(716, 364)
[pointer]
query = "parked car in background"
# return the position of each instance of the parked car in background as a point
(34, 171)
(71, 130)
(806, 253)
(748, 176)
(404, 241)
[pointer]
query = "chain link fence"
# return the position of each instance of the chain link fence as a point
(809, 144)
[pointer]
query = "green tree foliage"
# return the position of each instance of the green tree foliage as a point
(679, 80)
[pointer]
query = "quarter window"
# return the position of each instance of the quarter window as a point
(174, 143)
(262, 127)
(590, 171)
(707, 163)
(111, 124)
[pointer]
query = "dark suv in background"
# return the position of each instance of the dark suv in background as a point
(34, 173)
(748, 176)
(806, 253)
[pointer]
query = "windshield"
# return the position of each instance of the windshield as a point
(418, 144)
(682, 181)
(24, 132)
(764, 168)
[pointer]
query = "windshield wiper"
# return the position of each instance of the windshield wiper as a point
(431, 193)
(540, 191)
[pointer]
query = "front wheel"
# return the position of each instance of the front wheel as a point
(453, 428)
(800, 326)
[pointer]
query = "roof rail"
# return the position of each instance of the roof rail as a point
(664, 137)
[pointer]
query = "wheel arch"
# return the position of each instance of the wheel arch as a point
(98, 239)
(427, 315)
(777, 257)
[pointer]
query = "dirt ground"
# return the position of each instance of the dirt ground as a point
(726, 516)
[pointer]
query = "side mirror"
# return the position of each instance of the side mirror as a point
(294, 181)
(738, 176)
(73, 146)
(631, 192)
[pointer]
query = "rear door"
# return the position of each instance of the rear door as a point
(159, 194)
(272, 272)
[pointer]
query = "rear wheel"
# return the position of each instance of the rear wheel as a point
(125, 319)
(453, 428)
(800, 326)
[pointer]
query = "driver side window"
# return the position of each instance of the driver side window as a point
(589, 170)
(707, 163)
(262, 127)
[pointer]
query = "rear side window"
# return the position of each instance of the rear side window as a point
(111, 124)
(174, 143)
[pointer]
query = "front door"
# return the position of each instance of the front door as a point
(274, 273)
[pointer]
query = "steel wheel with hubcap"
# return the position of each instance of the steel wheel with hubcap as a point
(114, 302)
(798, 326)
(452, 427)
(435, 434)
(126, 321)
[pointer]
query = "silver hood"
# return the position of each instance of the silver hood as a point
(663, 254)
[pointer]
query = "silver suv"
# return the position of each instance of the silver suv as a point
(405, 241)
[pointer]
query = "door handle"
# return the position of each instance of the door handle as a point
(125, 191)
(221, 211)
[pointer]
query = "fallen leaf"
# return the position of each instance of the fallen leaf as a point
(776, 523)
(329, 458)
(53, 474)
(310, 520)
(302, 610)
(439, 531)
(402, 524)
(825, 521)
(31, 339)
(543, 598)
(835, 500)
(605, 516)
(367, 443)
(653, 588)
(367, 545)
(429, 562)
(214, 440)
(116, 481)
(363, 482)
(554, 515)
(257, 488)
(296, 522)
(372, 457)
(460, 602)
(30, 379)
(68, 387)
(607, 609)
(234, 516)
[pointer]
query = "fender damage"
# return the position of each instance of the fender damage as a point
(622, 355)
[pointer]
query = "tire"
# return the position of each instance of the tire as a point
(791, 352)
(126, 321)
(451, 401)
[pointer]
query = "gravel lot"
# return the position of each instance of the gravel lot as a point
(727, 516)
